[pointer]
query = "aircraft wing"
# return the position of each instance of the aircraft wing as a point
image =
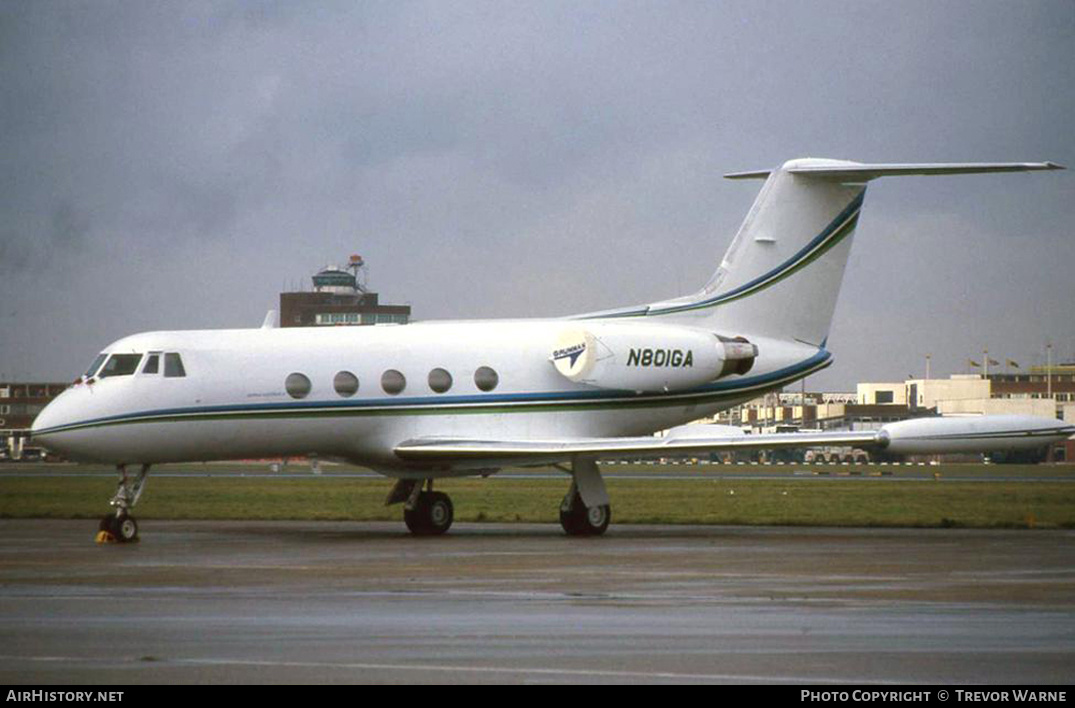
(547, 451)
(916, 436)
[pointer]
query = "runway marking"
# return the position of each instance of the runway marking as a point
(448, 668)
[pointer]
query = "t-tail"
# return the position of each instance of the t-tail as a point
(782, 273)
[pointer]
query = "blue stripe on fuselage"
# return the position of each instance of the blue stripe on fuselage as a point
(819, 360)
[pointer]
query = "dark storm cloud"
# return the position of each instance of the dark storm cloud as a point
(516, 159)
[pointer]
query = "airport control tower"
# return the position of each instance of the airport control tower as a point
(340, 297)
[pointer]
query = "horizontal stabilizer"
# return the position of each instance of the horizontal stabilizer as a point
(754, 174)
(860, 172)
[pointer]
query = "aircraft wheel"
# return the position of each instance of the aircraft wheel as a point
(432, 514)
(441, 513)
(122, 529)
(415, 519)
(596, 520)
(569, 522)
(126, 529)
(580, 521)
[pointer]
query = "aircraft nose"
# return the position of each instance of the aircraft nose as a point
(52, 418)
(43, 421)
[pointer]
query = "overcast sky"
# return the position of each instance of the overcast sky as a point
(176, 165)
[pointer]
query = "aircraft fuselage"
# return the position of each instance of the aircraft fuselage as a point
(233, 401)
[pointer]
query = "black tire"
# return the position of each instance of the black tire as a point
(595, 520)
(441, 513)
(569, 522)
(126, 529)
(432, 514)
(416, 518)
(581, 521)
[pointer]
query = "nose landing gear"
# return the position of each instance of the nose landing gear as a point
(119, 526)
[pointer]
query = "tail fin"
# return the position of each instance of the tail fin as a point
(782, 273)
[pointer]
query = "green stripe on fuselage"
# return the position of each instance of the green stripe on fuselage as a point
(683, 399)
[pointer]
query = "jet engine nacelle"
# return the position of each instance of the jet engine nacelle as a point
(649, 358)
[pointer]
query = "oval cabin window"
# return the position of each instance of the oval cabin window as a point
(297, 385)
(440, 380)
(486, 379)
(345, 383)
(393, 382)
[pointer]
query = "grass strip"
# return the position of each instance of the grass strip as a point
(807, 502)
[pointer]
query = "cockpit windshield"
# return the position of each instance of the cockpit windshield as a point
(152, 365)
(173, 366)
(120, 365)
(95, 365)
(106, 365)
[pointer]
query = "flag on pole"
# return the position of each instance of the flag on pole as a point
(1013, 363)
(973, 363)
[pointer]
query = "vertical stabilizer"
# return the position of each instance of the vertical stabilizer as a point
(782, 273)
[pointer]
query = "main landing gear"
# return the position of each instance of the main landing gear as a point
(119, 526)
(585, 510)
(577, 520)
(426, 513)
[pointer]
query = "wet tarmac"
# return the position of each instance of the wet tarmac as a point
(332, 602)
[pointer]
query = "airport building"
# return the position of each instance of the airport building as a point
(19, 405)
(340, 297)
(780, 412)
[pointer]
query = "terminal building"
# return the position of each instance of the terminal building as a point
(339, 297)
(19, 404)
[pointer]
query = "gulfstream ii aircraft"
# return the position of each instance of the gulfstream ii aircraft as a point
(430, 400)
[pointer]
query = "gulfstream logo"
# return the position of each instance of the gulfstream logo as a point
(661, 357)
(573, 353)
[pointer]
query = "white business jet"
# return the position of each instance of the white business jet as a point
(443, 399)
